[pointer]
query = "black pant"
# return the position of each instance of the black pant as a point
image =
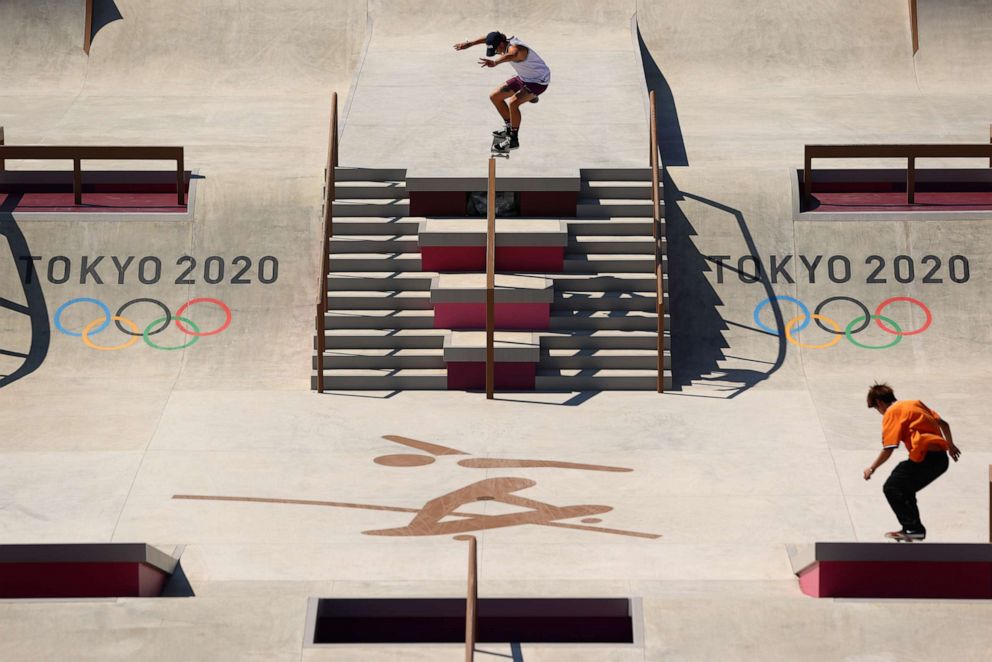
(906, 480)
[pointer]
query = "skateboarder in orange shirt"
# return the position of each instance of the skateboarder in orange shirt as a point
(928, 439)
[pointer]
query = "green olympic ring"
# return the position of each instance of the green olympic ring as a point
(151, 343)
(862, 318)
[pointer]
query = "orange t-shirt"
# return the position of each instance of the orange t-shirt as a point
(912, 423)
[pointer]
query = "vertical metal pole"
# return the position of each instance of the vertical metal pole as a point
(914, 26)
(181, 178)
(472, 598)
(77, 182)
(911, 180)
(656, 215)
(491, 283)
(88, 27)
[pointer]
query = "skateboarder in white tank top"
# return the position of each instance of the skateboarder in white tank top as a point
(532, 79)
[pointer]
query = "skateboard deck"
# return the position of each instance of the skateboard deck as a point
(901, 538)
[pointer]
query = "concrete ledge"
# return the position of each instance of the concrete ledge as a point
(470, 346)
(89, 553)
(454, 180)
(471, 288)
(509, 232)
(99, 570)
(894, 570)
(968, 178)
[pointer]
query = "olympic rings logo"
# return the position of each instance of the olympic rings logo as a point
(129, 328)
(855, 326)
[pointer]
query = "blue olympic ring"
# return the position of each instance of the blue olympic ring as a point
(106, 316)
(802, 306)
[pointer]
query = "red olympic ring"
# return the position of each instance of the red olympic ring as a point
(926, 324)
(223, 306)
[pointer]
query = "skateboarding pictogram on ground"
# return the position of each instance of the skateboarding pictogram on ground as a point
(437, 516)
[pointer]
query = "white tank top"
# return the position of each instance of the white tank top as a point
(533, 69)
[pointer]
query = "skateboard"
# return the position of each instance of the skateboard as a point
(495, 151)
(899, 537)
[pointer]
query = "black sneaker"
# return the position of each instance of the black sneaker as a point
(501, 133)
(512, 142)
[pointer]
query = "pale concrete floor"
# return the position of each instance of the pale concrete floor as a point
(765, 447)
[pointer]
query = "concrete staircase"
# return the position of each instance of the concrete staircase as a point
(380, 333)
(603, 321)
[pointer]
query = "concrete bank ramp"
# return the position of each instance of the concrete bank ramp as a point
(421, 105)
(246, 90)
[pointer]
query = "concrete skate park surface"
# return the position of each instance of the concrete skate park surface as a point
(761, 445)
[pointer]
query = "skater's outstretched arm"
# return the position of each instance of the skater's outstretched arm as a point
(879, 461)
(512, 54)
(462, 45)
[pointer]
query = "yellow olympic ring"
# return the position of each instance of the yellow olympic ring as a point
(833, 341)
(123, 345)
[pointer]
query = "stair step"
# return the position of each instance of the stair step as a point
(364, 189)
(616, 174)
(601, 339)
(385, 338)
(380, 280)
(565, 300)
(594, 263)
(609, 208)
(592, 380)
(367, 359)
(374, 244)
(370, 225)
(616, 189)
(629, 320)
(379, 300)
(376, 262)
(384, 379)
(613, 226)
(379, 319)
(612, 244)
(384, 207)
(600, 282)
(343, 174)
(611, 359)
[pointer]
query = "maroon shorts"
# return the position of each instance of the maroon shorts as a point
(516, 84)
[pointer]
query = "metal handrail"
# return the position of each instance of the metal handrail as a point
(100, 153)
(658, 275)
(908, 152)
(88, 27)
(914, 26)
(491, 282)
(327, 231)
(472, 597)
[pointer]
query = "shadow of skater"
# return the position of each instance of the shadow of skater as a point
(105, 12)
(697, 325)
(35, 309)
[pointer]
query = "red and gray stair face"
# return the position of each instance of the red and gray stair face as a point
(575, 296)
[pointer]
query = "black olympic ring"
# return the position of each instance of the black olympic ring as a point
(819, 323)
(165, 324)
